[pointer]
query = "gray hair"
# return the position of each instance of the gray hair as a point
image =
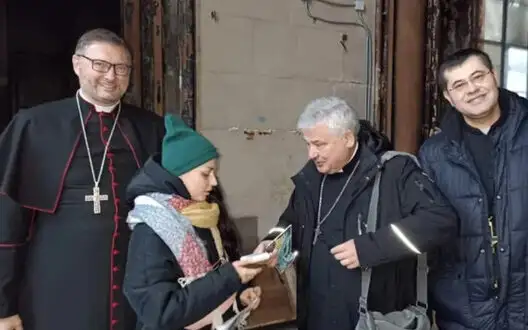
(332, 111)
(100, 36)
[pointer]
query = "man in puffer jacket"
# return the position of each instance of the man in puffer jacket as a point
(479, 162)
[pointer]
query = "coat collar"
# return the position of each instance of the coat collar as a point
(512, 113)
(309, 178)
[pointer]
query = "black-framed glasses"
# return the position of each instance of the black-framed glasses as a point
(120, 69)
(477, 78)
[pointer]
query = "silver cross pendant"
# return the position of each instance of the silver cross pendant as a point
(96, 199)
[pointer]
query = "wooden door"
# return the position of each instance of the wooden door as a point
(5, 106)
(409, 104)
(131, 31)
(161, 35)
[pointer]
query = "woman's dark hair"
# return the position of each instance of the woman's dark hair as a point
(228, 231)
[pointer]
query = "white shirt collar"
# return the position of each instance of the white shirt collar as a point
(351, 157)
(99, 108)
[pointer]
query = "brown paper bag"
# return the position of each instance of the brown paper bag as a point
(278, 301)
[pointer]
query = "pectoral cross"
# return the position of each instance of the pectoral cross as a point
(96, 198)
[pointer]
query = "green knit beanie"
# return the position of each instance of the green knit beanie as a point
(183, 148)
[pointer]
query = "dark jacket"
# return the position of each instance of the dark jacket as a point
(151, 278)
(407, 197)
(463, 289)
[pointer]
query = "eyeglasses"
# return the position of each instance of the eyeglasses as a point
(120, 69)
(477, 78)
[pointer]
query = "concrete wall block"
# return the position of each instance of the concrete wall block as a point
(227, 99)
(271, 10)
(279, 102)
(321, 56)
(354, 64)
(354, 95)
(274, 48)
(307, 90)
(299, 15)
(263, 102)
(227, 45)
(275, 103)
(256, 173)
(248, 101)
(259, 64)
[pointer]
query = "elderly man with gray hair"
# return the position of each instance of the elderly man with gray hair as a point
(328, 212)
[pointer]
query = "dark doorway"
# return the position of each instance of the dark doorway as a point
(40, 39)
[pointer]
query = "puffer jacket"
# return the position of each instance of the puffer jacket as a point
(468, 292)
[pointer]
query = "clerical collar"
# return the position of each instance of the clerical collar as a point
(352, 162)
(99, 108)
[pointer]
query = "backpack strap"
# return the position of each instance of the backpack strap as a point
(372, 221)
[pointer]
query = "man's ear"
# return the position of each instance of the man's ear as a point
(448, 97)
(76, 63)
(350, 139)
(496, 76)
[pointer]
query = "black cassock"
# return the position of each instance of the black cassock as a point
(61, 265)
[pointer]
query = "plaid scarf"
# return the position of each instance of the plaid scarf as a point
(172, 218)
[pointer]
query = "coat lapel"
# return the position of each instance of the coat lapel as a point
(131, 134)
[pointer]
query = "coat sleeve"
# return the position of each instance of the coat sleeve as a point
(288, 217)
(424, 162)
(152, 289)
(14, 147)
(160, 133)
(428, 221)
(15, 223)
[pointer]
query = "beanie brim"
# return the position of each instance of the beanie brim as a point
(191, 164)
(183, 148)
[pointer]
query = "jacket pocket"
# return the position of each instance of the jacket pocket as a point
(450, 297)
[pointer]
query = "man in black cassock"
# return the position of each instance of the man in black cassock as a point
(328, 212)
(64, 167)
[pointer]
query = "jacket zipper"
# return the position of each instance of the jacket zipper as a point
(487, 230)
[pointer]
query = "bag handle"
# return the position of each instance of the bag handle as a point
(372, 221)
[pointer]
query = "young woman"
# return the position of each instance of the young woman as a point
(182, 270)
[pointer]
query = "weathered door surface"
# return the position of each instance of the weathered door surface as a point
(451, 25)
(439, 27)
(161, 34)
(5, 107)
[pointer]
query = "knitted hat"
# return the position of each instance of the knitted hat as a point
(183, 148)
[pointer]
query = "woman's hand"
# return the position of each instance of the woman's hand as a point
(245, 271)
(251, 297)
(268, 246)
